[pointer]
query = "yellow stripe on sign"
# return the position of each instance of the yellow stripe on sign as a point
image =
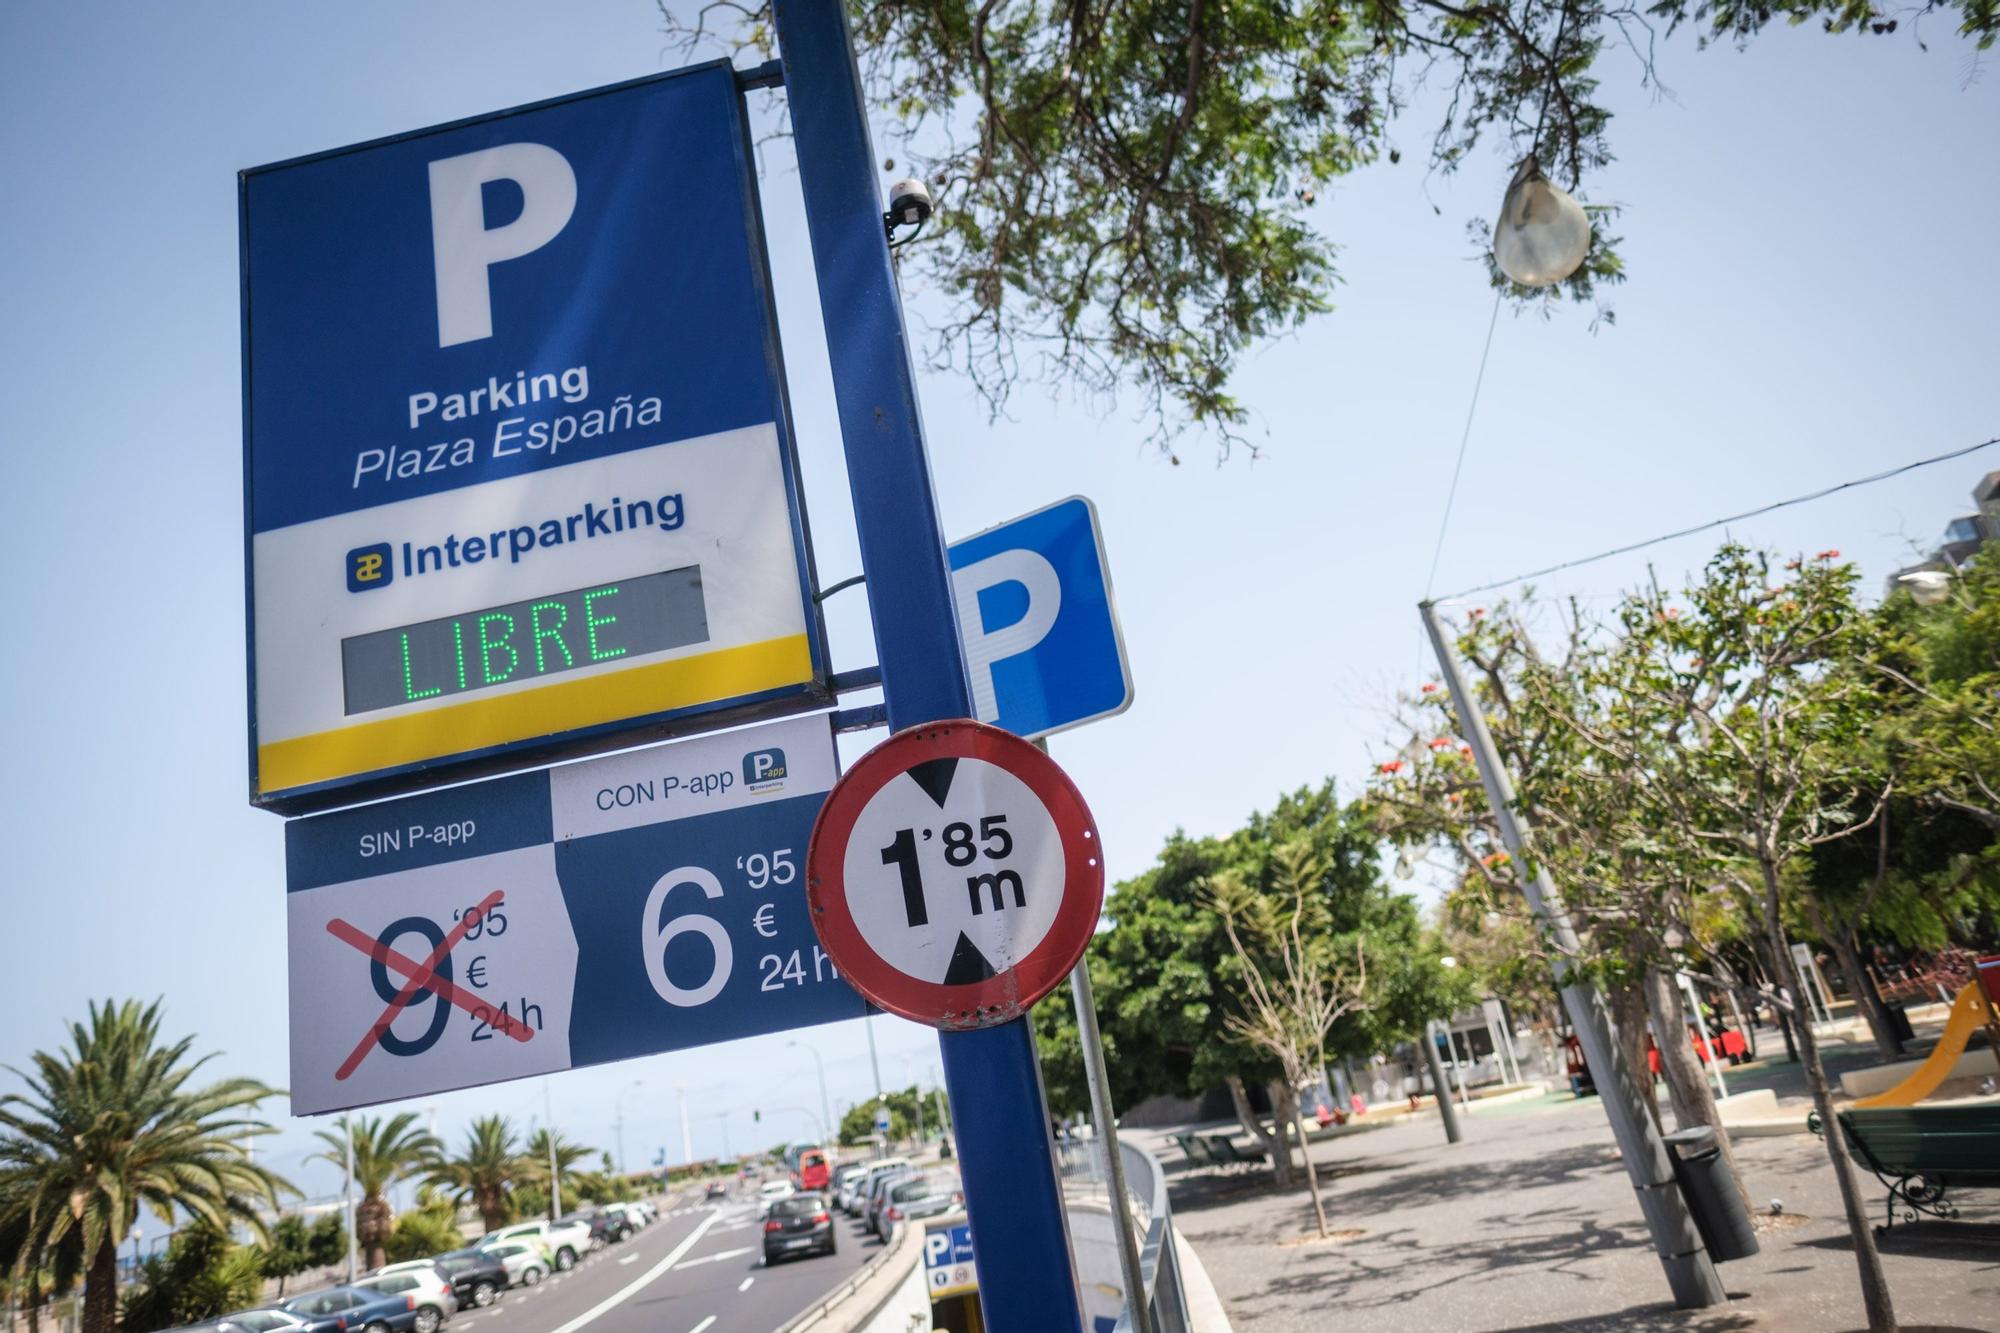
(683, 682)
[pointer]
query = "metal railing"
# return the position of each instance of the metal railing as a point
(1085, 1178)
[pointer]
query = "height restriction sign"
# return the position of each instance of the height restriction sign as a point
(954, 875)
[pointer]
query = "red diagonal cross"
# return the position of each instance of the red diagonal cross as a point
(422, 977)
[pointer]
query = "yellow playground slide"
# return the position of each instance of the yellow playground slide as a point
(1967, 1013)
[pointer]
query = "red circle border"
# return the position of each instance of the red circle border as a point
(1005, 995)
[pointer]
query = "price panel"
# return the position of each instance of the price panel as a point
(649, 901)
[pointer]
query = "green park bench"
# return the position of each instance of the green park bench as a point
(1226, 1153)
(1195, 1150)
(1921, 1152)
(1217, 1150)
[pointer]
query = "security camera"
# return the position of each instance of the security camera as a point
(909, 204)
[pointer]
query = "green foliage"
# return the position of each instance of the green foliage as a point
(287, 1255)
(858, 1125)
(385, 1151)
(535, 1168)
(1126, 188)
(1168, 982)
(429, 1228)
(485, 1171)
(111, 1124)
(326, 1244)
(202, 1274)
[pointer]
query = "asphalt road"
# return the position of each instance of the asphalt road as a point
(699, 1269)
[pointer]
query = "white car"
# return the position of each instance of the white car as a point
(566, 1241)
(525, 1261)
(846, 1180)
(858, 1201)
(264, 1321)
(423, 1284)
(771, 1191)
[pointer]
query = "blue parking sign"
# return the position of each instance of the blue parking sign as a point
(519, 471)
(1037, 619)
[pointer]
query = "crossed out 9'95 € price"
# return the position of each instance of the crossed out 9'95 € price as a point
(646, 902)
(955, 875)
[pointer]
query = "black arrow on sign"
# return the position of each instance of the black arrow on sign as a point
(968, 965)
(934, 776)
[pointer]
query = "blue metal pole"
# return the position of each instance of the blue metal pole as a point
(1013, 1195)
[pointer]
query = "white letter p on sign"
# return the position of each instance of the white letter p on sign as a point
(984, 647)
(462, 245)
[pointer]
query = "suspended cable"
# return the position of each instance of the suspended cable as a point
(1721, 522)
(1472, 409)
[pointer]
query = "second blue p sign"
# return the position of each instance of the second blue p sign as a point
(1037, 620)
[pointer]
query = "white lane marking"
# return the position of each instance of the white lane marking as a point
(629, 1259)
(746, 1282)
(711, 1258)
(619, 1297)
(703, 1324)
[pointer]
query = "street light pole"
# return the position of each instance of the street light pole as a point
(910, 1072)
(347, 1190)
(1690, 1272)
(618, 1112)
(1445, 1108)
(555, 1181)
(687, 1139)
(874, 1067)
(825, 1107)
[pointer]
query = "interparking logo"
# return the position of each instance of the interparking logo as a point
(370, 567)
(763, 768)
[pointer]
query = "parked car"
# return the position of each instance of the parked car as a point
(430, 1288)
(798, 1224)
(866, 1186)
(844, 1181)
(611, 1224)
(641, 1210)
(254, 1321)
(771, 1191)
(476, 1277)
(526, 1261)
(359, 1310)
(567, 1241)
(878, 1199)
(917, 1197)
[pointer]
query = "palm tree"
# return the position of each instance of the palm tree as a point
(110, 1124)
(385, 1152)
(535, 1164)
(484, 1170)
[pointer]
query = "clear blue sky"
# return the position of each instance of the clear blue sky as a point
(1810, 238)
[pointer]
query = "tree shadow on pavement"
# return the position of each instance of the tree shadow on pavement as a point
(1215, 1189)
(1650, 1319)
(1389, 1267)
(1967, 1242)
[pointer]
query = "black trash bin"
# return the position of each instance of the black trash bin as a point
(1711, 1195)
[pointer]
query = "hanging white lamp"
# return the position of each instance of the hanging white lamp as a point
(1543, 234)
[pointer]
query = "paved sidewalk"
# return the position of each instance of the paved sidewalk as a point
(1530, 1224)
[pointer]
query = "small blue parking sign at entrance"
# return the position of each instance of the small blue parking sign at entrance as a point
(1038, 623)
